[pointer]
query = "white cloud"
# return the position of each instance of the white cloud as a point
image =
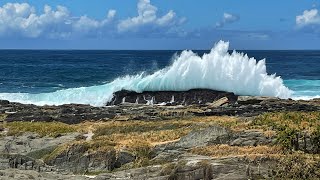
(309, 17)
(86, 24)
(227, 18)
(147, 17)
(111, 14)
(22, 20)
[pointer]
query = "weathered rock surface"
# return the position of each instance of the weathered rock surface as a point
(190, 167)
(78, 159)
(217, 135)
(10, 174)
(22, 152)
(30, 142)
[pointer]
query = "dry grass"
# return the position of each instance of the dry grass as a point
(153, 132)
(85, 146)
(292, 127)
(218, 151)
(300, 121)
(2, 117)
(298, 165)
(51, 129)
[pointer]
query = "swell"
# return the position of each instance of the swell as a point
(217, 70)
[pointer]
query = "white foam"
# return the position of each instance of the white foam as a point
(305, 97)
(217, 70)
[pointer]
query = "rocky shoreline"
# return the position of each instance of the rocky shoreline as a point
(197, 134)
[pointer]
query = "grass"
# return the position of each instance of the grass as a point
(153, 132)
(292, 127)
(83, 146)
(39, 154)
(218, 151)
(298, 165)
(52, 129)
(2, 117)
(139, 137)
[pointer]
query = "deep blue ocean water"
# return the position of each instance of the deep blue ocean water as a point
(45, 71)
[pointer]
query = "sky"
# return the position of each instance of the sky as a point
(159, 24)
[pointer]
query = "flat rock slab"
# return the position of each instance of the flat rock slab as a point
(30, 142)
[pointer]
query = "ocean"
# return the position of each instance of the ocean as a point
(91, 76)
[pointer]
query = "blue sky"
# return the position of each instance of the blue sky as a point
(159, 24)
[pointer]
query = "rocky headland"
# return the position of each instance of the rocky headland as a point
(196, 134)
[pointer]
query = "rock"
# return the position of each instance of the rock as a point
(218, 102)
(4, 102)
(210, 135)
(250, 138)
(78, 159)
(195, 96)
(206, 103)
(10, 174)
(30, 142)
(124, 157)
(215, 135)
(245, 100)
(190, 167)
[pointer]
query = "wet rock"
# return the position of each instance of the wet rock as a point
(195, 96)
(4, 102)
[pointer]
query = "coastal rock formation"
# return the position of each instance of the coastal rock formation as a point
(129, 105)
(194, 96)
(223, 135)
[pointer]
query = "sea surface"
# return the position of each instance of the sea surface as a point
(83, 76)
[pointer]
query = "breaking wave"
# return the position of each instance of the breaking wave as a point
(217, 70)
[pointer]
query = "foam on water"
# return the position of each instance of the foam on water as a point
(217, 70)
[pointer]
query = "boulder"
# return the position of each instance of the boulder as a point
(208, 136)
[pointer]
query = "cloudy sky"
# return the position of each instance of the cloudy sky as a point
(159, 24)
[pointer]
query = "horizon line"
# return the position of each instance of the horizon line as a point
(53, 49)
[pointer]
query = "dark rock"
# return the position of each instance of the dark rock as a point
(124, 157)
(4, 102)
(195, 96)
(207, 103)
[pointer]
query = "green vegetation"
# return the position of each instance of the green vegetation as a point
(295, 132)
(2, 117)
(52, 129)
(41, 153)
(80, 147)
(297, 166)
(292, 127)
(142, 151)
